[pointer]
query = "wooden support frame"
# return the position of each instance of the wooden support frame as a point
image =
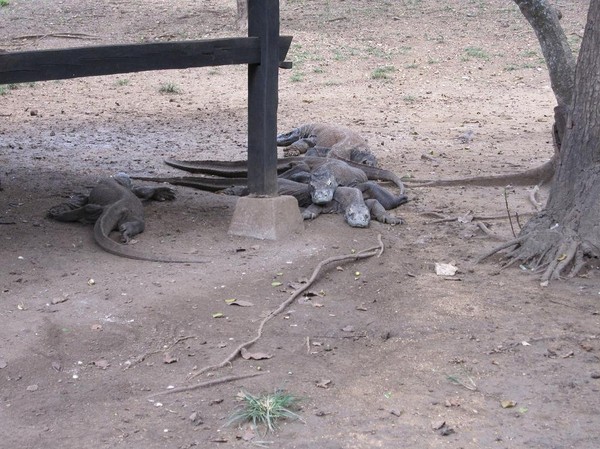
(45, 65)
(263, 23)
(263, 50)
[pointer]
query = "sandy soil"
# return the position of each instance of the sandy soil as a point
(89, 338)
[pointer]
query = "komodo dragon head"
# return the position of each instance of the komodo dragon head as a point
(363, 156)
(322, 185)
(357, 215)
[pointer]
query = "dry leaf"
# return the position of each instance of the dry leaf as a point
(102, 364)
(168, 358)
(445, 269)
(324, 383)
(239, 302)
(508, 404)
(276, 284)
(254, 355)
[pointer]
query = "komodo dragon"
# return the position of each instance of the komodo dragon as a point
(357, 211)
(327, 140)
(325, 178)
(347, 200)
(114, 203)
(236, 169)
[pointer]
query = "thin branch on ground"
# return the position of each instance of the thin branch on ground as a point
(475, 218)
(208, 383)
(140, 358)
(369, 252)
(508, 212)
(508, 244)
(57, 35)
(487, 231)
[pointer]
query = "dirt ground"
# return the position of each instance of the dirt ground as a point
(387, 351)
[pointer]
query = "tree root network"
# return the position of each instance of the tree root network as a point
(553, 253)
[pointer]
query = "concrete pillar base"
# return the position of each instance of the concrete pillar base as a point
(266, 218)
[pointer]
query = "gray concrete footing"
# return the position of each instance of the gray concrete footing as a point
(266, 218)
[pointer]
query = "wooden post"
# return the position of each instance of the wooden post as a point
(263, 22)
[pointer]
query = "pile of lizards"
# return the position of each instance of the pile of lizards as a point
(336, 174)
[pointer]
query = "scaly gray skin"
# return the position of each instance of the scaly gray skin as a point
(325, 177)
(325, 140)
(357, 211)
(114, 204)
(347, 200)
(236, 169)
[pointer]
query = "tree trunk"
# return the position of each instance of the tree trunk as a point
(241, 19)
(544, 19)
(568, 230)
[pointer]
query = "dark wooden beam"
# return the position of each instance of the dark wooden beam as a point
(42, 65)
(263, 23)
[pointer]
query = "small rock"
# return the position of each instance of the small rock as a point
(32, 387)
(196, 419)
(594, 375)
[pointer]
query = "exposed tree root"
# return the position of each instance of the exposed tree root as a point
(487, 231)
(369, 252)
(554, 252)
(535, 176)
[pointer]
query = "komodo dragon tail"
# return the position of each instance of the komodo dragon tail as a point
(118, 249)
(240, 169)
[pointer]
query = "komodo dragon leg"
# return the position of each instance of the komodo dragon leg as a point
(380, 214)
(147, 193)
(372, 190)
(76, 209)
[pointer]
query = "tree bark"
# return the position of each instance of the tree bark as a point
(559, 239)
(575, 190)
(544, 19)
(241, 19)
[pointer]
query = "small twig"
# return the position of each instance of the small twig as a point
(308, 345)
(508, 212)
(475, 218)
(208, 383)
(369, 252)
(518, 221)
(139, 359)
(489, 232)
(513, 242)
(59, 35)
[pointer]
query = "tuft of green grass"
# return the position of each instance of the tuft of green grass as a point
(265, 409)
(169, 88)
(297, 77)
(409, 99)
(476, 52)
(4, 3)
(123, 82)
(5, 88)
(382, 72)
